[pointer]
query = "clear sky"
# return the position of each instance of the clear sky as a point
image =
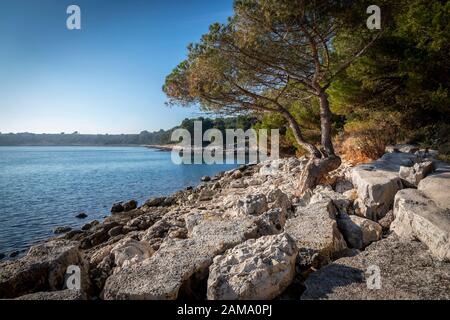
(104, 78)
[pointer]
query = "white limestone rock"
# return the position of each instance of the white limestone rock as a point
(178, 261)
(411, 176)
(316, 234)
(279, 199)
(377, 183)
(325, 192)
(128, 252)
(418, 217)
(359, 232)
(254, 204)
(258, 269)
(406, 271)
(42, 269)
(437, 188)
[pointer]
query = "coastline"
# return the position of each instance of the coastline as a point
(64, 170)
(157, 250)
(161, 147)
(75, 145)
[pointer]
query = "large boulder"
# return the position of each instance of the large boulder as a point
(325, 192)
(406, 270)
(206, 195)
(155, 202)
(376, 191)
(418, 217)
(377, 183)
(179, 264)
(411, 176)
(359, 232)
(174, 266)
(279, 199)
(271, 222)
(129, 205)
(128, 252)
(117, 207)
(254, 270)
(395, 160)
(59, 230)
(437, 188)
(162, 276)
(42, 269)
(254, 204)
(316, 234)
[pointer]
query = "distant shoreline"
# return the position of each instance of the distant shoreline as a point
(161, 147)
(76, 145)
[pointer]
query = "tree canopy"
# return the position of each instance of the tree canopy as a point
(269, 54)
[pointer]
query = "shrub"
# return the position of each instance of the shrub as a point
(363, 141)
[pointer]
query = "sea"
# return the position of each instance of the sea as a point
(42, 188)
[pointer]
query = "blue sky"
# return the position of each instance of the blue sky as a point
(104, 78)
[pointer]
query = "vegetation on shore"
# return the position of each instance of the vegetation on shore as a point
(316, 71)
(260, 69)
(160, 137)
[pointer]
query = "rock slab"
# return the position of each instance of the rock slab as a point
(359, 232)
(177, 263)
(316, 233)
(377, 183)
(254, 270)
(42, 269)
(406, 269)
(418, 217)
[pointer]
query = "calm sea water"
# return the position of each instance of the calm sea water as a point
(45, 187)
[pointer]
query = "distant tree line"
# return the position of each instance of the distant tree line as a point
(143, 138)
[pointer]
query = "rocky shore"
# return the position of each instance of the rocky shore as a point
(247, 234)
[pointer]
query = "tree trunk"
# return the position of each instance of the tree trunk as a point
(312, 150)
(325, 124)
(315, 171)
(319, 164)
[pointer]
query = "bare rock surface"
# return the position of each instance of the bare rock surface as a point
(437, 188)
(253, 204)
(177, 261)
(43, 268)
(376, 187)
(411, 176)
(407, 271)
(128, 252)
(386, 222)
(405, 148)
(161, 277)
(245, 219)
(343, 186)
(418, 217)
(377, 182)
(325, 192)
(359, 232)
(66, 294)
(316, 233)
(258, 269)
